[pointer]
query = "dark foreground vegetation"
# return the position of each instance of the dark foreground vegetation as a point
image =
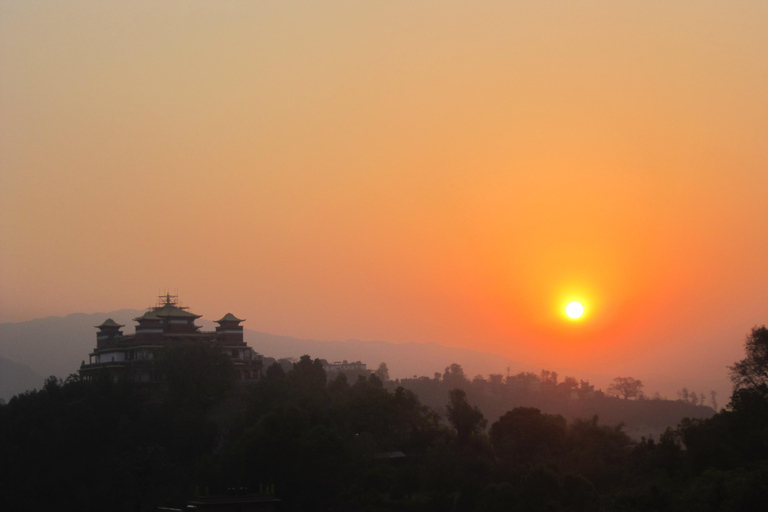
(342, 446)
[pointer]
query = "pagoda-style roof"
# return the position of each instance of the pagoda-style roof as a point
(229, 317)
(108, 323)
(170, 310)
(149, 315)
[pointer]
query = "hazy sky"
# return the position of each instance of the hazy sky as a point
(450, 172)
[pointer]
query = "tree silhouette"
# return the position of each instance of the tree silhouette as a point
(308, 375)
(383, 372)
(454, 377)
(467, 420)
(626, 388)
(196, 373)
(752, 371)
(524, 435)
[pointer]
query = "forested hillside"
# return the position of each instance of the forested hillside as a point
(352, 446)
(570, 397)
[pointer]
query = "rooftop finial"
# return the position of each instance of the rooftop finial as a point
(167, 299)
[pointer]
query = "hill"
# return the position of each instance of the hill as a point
(36, 349)
(404, 360)
(16, 378)
(57, 345)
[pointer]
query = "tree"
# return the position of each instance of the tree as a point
(548, 377)
(275, 372)
(383, 372)
(196, 373)
(524, 435)
(467, 420)
(308, 376)
(454, 377)
(567, 386)
(497, 382)
(752, 371)
(375, 381)
(626, 388)
(524, 381)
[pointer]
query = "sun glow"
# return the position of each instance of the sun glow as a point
(574, 310)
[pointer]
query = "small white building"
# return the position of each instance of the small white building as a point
(345, 366)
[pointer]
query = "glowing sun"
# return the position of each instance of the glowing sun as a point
(574, 310)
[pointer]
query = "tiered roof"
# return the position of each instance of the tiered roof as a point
(169, 308)
(229, 317)
(173, 311)
(108, 323)
(149, 315)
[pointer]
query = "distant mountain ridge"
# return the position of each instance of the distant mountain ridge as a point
(404, 360)
(33, 350)
(16, 378)
(57, 345)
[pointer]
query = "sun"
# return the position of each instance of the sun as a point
(574, 310)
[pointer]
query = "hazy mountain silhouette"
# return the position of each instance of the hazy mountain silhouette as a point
(57, 345)
(16, 378)
(404, 360)
(33, 350)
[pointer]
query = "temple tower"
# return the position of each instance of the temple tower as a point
(150, 328)
(175, 319)
(229, 331)
(109, 333)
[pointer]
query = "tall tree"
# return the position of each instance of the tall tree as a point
(383, 372)
(466, 419)
(454, 377)
(752, 371)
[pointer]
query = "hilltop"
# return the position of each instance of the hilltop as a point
(57, 345)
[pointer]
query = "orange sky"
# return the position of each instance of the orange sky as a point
(448, 172)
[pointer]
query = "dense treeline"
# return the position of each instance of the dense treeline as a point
(572, 398)
(339, 445)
